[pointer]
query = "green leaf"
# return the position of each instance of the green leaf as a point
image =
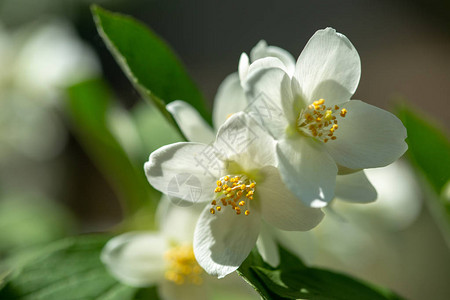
(149, 63)
(429, 152)
(292, 279)
(429, 147)
(68, 269)
(247, 272)
(88, 106)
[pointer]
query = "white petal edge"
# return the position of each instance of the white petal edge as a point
(136, 258)
(281, 208)
(262, 50)
(307, 170)
(368, 137)
(230, 98)
(267, 245)
(244, 63)
(223, 241)
(355, 188)
(194, 128)
(329, 67)
(182, 171)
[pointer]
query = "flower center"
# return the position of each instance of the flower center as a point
(319, 121)
(183, 268)
(234, 192)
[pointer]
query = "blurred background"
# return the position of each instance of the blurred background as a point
(50, 187)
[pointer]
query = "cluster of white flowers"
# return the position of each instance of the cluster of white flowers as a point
(287, 139)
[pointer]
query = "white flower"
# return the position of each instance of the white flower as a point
(320, 131)
(165, 258)
(230, 97)
(235, 177)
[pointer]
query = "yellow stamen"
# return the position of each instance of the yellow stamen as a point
(319, 120)
(182, 266)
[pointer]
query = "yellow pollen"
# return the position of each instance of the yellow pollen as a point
(247, 212)
(235, 191)
(182, 266)
(319, 120)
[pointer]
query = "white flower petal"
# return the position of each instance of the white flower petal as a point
(399, 200)
(355, 188)
(270, 99)
(136, 258)
(168, 290)
(244, 63)
(186, 171)
(267, 245)
(222, 241)
(178, 223)
(230, 98)
(194, 128)
(244, 141)
(367, 137)
(262, 50)
(307, 170)
(280, 208)
(328, 67)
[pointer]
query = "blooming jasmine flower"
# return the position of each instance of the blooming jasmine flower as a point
(236, 179)
(320, 132)
(164, 257)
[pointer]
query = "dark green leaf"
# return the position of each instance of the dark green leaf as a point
(88, 107)
(292, 279)
(67, 269)
(247, 272)
(149, 63)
